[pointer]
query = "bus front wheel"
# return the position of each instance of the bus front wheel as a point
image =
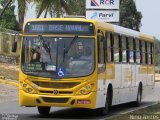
(104, 110)
(44, 110)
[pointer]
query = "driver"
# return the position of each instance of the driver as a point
(79, 50)
(87, 54)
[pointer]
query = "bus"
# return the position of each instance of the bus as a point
(83, 63)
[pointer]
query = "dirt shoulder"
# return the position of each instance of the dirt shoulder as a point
(149, 113)
(157, 77)
(10, 71)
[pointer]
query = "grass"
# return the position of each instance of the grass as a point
(149, 113)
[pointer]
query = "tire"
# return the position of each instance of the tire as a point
(104, 111)
(44, 110)
(139, 96)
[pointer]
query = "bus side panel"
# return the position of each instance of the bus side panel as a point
(128, 85)
(116, 83)
(150, 80)
(148, 88)
(104, 79)
(101, 93)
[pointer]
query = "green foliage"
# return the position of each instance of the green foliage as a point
(78, 7)
(22, 8)
(56, 8)
(8, 20)
(129, 16)
(157, 52)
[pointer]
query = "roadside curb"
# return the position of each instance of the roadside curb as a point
(8, 82)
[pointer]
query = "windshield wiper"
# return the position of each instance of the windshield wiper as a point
(70, 45)
(66, 50)
(46, 46)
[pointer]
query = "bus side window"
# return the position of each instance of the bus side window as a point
(127, 47)
(146, 52)
(143, 52)
(101, 53)
(101, 58)
(131, 50)
(109, 48)
(152, 53)
(120, 48)
(124, 49)
(116, 48)
(149, 52)
(138, 57)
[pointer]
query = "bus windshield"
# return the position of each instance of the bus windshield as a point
(58, 57)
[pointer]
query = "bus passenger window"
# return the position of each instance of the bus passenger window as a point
(116, 48)
(131, 50)
(149, 52)
(146, 53)
(137, 51)
(101, 58)
(149, 59)
(109, 47)
(124, 50)
(152, 53)
(143, 52)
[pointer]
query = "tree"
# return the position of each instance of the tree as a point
(6, 6)
(78, 7)
(56, 8)
(129, 16)
(157, 52)
(8, 20)
(22, 7)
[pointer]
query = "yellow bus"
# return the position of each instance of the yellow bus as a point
(82, 63)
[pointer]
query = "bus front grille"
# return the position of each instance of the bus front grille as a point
(55, 100)
(60, 92)
(56, 85)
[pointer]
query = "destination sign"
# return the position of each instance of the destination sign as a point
(59, 27)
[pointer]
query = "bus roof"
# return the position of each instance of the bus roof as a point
(125, 31)
(107, 26)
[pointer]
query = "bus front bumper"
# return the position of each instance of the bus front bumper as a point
(78, 101)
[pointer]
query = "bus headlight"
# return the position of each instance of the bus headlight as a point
(85, 90)
(88, 87)
(24, 85)
(27, 88)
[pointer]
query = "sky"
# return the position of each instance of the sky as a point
(150, 10)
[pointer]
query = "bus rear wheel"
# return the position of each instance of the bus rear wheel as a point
(44, 110)
(139, 96)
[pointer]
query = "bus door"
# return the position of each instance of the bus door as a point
(101, 83)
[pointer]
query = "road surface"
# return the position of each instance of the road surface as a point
(9, 107)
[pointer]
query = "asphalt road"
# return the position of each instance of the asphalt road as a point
(11, 109)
